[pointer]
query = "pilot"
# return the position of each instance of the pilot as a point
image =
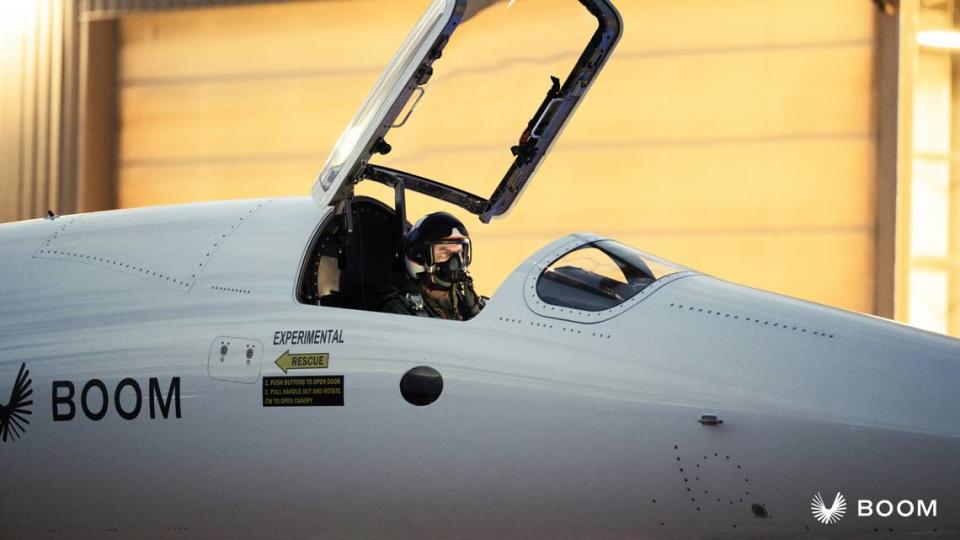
(436, 254)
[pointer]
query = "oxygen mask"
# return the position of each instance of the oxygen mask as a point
(453, 269)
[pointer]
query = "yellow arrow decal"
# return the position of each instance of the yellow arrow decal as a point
(288, 361)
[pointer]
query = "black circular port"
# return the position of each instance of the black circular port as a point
(421, 385)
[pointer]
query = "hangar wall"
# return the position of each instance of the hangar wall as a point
(38, 103)
(733, 137)
(930, 260)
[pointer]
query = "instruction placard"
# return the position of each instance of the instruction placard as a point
(324, 391)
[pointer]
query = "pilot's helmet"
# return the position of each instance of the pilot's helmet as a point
(450, 236)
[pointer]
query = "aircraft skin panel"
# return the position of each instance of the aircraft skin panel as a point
(864, 370)
(543, 428)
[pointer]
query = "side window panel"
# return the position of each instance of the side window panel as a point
(599, 276)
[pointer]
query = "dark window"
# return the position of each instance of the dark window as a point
(600, 275)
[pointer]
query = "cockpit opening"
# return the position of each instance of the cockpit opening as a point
(352, 263)
(362, 258)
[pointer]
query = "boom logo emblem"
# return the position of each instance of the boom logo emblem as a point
(829, 515)
(13, 415)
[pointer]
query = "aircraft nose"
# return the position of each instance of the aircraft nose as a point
(913, 376)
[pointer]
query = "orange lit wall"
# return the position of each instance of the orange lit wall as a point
(732, 137)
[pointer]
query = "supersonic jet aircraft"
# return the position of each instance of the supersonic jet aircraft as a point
(210, 370)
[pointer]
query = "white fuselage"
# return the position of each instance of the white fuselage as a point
(547, 426)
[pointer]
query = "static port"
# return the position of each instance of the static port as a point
(421, 385)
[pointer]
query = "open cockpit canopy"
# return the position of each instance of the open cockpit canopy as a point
(404, 79)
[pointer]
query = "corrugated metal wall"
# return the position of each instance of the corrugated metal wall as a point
(38, 103)
(111, 9)
(41, 44)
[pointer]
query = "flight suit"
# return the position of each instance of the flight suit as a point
(413, 300)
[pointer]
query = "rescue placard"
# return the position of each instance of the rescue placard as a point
(287, 361)
(303, 391)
